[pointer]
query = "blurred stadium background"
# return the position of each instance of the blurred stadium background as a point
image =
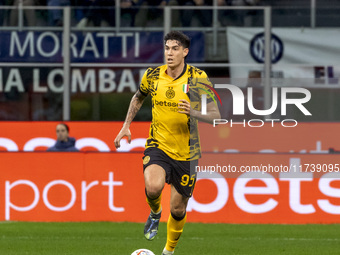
(80, 62)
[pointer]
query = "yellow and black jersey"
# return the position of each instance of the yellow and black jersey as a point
(174, 133)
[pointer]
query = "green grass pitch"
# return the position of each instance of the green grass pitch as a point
(102, 238)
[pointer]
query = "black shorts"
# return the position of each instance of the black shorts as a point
(177, 172)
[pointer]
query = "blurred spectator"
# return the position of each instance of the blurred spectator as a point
(64, 142)
(153, 13)
(55, 16)
(98, 13)
(80, 8)
(237, 17)
(128, 11)
(29, 14)
(204, 16)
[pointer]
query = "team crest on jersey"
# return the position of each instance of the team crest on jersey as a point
(170, 93)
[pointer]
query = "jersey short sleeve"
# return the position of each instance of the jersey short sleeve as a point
(205, 85)
(200, 84)
(144, 86)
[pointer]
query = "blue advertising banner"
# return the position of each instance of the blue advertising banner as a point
(91, 47)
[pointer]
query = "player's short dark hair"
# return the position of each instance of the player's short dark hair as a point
(183, 39)
(66, 126)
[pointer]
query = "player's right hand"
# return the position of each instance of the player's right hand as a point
(122, 133)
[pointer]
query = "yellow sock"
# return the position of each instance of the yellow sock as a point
(174, 231)
(155, 204)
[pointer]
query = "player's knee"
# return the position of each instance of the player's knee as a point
(153, 191)
(178, 211)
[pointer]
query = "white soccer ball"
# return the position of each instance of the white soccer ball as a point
(142, 252)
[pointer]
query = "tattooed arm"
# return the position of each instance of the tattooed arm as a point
(212, 111)
(135, 104)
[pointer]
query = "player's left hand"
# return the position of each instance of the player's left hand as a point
(184, 107)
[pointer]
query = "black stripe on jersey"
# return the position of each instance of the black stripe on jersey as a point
(152, 143)
(209, 100)
(194, 92)
(143, 93)
(151, 130)
(183, 72)
(150, 71)
(194, 155)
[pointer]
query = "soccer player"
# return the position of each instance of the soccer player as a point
(173, 144)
